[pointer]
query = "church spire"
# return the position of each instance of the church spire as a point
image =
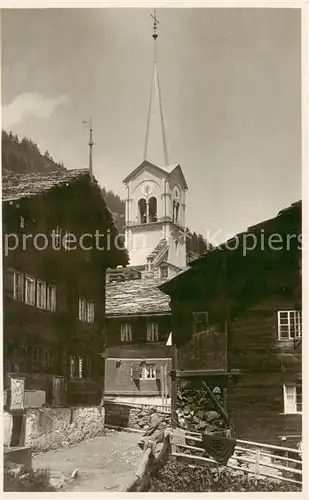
(155, 141)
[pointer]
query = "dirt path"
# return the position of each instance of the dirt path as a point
(104, 463)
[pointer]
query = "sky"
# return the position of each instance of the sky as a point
(231, 90)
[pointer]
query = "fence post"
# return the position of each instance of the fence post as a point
(257, 462)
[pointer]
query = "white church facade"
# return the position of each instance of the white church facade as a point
(155, 218)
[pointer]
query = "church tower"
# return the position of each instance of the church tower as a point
(155, 202)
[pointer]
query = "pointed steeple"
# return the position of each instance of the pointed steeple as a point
(155, 149)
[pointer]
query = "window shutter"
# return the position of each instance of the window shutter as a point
(9, 282)
(136, 371)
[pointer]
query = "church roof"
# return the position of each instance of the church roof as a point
(136, 298)
(159, 251)
(165, 170)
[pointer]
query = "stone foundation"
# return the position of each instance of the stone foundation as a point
(120, 415)
(52, 428)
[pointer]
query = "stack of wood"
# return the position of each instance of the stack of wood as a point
(196, 410)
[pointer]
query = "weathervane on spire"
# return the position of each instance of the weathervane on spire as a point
(155, 24)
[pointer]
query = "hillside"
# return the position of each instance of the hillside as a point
(24, 156)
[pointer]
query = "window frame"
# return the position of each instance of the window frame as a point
(126, 336)
(90, 311)
(195, 315)
(82, 309)
(296, 322)
(51, 300)
(152, 331)
(152, 371)
(86, 312)
(44, 302)
(295, 395)
(76, 367)
(32, 282)
(163, 272)
(17, 274)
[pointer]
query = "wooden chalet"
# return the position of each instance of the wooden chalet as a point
(236, 323)
(54, 322)
(138, 327)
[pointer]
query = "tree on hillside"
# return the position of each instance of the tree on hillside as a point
(24, 156)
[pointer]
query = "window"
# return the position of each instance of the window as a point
(142, 208)
(148, 371)
(292, 398)
(18, 290)
(14, 284)
(200, 322)
(176, 206)
(41, 294)
(152, 332)
(289, 325)
(35, 358)
(29, 290)
(82, 309)
(153, 209)
(58, 237)
(126, 332)
(47, 360)
(76, 367)
(163, 272)
(51, 298)
(86, 310)
(90, 312)
(22, 224)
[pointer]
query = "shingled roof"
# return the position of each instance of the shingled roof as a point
(136, 298)
(15, 187)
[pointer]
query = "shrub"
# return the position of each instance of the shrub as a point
(182, 477)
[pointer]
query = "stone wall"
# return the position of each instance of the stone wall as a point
(52, 428)
(133, 417)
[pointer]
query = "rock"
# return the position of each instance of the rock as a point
(202, 425)
(14, 468)
(24, 476)
(186, 410)
(74, 474)
(212, 415)
(57, 480)
(236, 473)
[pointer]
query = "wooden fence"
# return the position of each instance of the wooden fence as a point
(263, 460)
(159, 408)
(260, 459)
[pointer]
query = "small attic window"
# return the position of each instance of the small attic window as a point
(163, 272)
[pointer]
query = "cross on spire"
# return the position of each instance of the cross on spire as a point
(155, 24)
